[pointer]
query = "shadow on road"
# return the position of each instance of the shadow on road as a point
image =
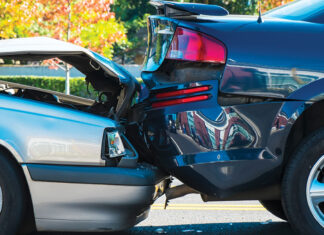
(278, 228)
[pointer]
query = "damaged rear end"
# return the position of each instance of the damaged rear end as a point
(192, 130)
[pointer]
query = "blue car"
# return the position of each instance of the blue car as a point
(246, 95)
(230, 105)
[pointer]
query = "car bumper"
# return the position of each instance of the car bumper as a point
(74, 198)
(225, 152)
(242, 174)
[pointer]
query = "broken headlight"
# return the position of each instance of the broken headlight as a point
(115, 144)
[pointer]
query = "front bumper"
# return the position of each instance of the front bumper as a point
(76, 198)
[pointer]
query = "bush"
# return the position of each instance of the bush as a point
(78, 86)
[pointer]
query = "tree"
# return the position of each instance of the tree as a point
(134, 14)
(270, 4)
(15, 18)
(88, 23)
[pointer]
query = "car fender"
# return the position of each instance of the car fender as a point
(296, 104)
(12, 150)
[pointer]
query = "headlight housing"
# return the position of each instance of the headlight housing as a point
(115, 144)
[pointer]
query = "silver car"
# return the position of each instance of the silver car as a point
(65, 163)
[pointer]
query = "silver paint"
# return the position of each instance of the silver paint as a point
(315, 191)
(37, 132)
(88, 207)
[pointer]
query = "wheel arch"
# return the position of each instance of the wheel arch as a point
(11, 151)
(309, 121)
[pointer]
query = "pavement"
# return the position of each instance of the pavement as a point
(189, 215)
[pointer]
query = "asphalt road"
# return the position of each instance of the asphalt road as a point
(189, 215)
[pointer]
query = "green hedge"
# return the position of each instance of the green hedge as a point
(78, 86)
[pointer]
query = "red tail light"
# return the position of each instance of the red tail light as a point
(182, 92)
(180, 101)
(195, 46)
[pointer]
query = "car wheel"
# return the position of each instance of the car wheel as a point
(12, 192)
(275, 208)
(303, 186)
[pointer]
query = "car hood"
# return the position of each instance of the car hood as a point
(43, 47)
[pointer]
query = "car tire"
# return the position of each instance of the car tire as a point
(275, 208)
(13, 193)
(299, 184)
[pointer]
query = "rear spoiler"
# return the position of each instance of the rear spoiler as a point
(174, 9)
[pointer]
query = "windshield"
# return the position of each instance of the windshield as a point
(298, 10)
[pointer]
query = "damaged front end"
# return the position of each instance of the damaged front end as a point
(76, 148)
(115, 87)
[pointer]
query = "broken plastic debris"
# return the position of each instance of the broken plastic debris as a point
(160, 230)
(199, 231)
(267, 222)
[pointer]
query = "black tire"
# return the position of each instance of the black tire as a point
(28, 225)
(294, 184)
(13, 196)
(275, 208)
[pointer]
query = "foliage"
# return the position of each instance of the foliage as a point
(15, 18)
(134, 14)
(88, 23)
(77, 85)
(102, 36)
(270, 4)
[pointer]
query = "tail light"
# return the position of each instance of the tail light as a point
(182, 92)
(190, 45)
(180, 101)
(188, 91)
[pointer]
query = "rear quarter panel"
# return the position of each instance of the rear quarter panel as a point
(271, 59)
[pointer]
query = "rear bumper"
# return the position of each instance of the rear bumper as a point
(228, 175)
(225, 152)
(100, 199)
